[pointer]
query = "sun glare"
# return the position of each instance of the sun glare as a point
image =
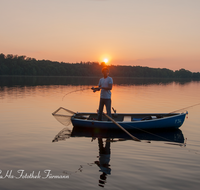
(105, 60)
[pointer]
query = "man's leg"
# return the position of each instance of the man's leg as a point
(100, 112)
(108, 107)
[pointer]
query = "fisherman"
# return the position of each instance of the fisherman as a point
(105, 85)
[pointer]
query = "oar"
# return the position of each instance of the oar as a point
(134, 138)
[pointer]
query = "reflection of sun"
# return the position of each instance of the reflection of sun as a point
(105, 60)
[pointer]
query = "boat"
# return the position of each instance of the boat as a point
(135, 121)
(130, 121)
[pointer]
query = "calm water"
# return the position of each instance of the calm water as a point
(28, 128)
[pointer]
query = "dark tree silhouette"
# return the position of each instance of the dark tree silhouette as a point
(26, 66)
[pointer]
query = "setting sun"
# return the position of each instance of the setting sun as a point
(105, 60)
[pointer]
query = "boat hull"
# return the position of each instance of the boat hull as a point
(171, 122)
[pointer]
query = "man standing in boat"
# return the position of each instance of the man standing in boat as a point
(105, 85)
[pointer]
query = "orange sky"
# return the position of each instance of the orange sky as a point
(154, 33)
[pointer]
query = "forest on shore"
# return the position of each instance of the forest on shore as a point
(26, 66)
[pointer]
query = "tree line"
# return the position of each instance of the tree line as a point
(26, 66)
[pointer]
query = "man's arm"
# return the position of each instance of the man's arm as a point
(99, 88)
(106, 88)
(95, 89)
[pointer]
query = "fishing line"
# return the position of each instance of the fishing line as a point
(75, 91)
(185, 108)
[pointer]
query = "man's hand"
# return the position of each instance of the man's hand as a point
(95, 89)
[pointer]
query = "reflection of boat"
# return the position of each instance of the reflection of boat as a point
(155, 135)
(130, 121)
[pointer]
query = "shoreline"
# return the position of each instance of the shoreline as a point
(43, 76)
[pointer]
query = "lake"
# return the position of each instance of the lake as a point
(30, 160)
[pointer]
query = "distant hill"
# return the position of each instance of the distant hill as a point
(22, 65)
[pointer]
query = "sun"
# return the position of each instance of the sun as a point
(105, 60)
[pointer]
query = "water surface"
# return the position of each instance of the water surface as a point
(28, 128)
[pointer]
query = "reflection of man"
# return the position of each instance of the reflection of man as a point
(105, 85)
(104, 159)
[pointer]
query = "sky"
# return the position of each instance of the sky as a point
(152, 33)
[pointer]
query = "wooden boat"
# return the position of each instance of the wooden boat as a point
(130, 121)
